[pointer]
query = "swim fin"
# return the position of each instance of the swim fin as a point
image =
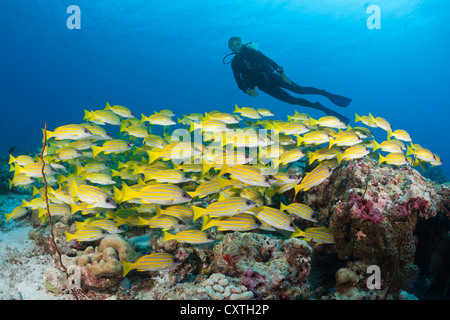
(338, 100)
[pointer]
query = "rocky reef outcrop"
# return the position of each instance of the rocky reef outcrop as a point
(373, 211)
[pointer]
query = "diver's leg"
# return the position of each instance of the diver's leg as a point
(294, 87)
(338, 100)
(282, 95)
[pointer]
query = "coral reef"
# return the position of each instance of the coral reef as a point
(220, 287)
(269, 267)
(379, 215)
(101, 267)
(373, 210)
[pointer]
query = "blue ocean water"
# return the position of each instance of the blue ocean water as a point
(150, 55)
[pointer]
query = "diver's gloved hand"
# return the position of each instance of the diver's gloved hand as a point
(252, 92)
(286, 78)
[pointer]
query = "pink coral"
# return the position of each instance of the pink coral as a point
(405, 209)
(364, 209)
(253, 280)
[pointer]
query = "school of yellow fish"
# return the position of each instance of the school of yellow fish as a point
(238, 159)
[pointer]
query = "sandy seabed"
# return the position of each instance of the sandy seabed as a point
(22, 265)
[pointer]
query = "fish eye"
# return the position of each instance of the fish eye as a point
(291, 224)
(248, 203)
(266, 179)
(108, 200)
(185, 195)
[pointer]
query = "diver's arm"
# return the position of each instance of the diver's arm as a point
(269, 61)
(237, 77)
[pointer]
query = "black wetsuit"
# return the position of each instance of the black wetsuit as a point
(252, 68)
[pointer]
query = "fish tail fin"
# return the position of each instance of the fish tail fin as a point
(194, 126)
(69, 236)
(120, 221)
(108, 106)
(73, 189)
(78, 169)
(381, 159)
(11, 159)
(127, 267)
(282, 206)
(192, 194)
(297, 188)
(117, 195)
(74, 208)
(224, 183)
(128, 193)
(168, 236)
(236, 110)
(159, 211)
(376, 145)
(311, 156)
(313, 122)
(79, 225)
(206, 166)
(122, 127)
(87, 115)
(207, 223)
(409, 151)
(289, 118)
(298, 232)
(48, 133)
(371, 118)
(357, 117)
(8, 216)
(299, 140)
(198, 212)
(389, 134)
(339, 157)
(152, 156)
(35, 191)
(225, 169)
(206, 117)
(332, 142)
(95, 151)
(10, 183)
(144, 118)
(115, 173)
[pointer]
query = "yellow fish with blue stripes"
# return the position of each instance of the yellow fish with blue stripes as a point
(239, 222)
(158, 193)
(152, 262)
(227, 207)
(300, 210)
(275, 218)
(320, 235)
(314, 178)
(189, 236)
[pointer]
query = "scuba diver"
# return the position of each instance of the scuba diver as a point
(253, 69)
